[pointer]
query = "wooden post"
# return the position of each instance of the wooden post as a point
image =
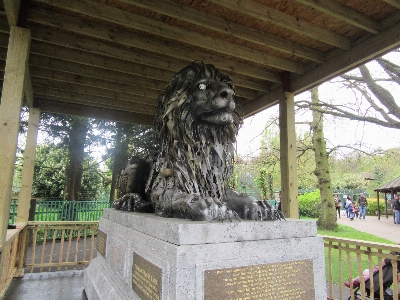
(32, 210)
(24, 198)
(386, 207)
(379, 211)
(288, 161)
(10, 108)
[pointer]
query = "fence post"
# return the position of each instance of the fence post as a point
(32, 210)
(31, 217)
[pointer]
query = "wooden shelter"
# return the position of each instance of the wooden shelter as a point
(389, 188)
(110, 59)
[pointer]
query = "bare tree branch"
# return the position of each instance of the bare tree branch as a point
(334, 110)
(384, 96)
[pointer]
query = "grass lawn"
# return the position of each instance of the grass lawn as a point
(343, 231)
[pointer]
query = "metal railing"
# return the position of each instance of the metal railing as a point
(61, 244)
(60, 210)
(347, 259)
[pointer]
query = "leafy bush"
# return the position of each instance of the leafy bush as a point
(372, 208)
(309, 204)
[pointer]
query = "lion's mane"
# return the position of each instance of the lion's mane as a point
(195, 157)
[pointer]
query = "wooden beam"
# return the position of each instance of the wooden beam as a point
(365, 51)
(93, 112)
(269, 99)
(126, 44)
(66, 69)
(42, 84)
(68, 96)
(344, 13)
(288, 159)
(12, 10)
(215, 23)
(342, 62)
(28, 87)
(118, 65)
(49, 77)
(24, 197)
(273, 16)
(395, 3)
(11, 101)
(165, 30)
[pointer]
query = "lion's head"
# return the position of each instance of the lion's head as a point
(198, 119)
(198, 94)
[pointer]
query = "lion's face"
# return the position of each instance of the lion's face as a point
(213, 101)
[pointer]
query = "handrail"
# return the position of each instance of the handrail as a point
(67, 238)
(10, 256)
(349, 258)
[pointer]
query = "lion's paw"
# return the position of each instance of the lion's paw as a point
(133, 202)
(196, 208)
(250, 208)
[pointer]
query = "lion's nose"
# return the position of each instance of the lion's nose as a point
(226, 93)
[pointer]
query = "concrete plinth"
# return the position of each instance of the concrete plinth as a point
(141, 256)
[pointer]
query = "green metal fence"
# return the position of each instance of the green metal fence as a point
(56, 210)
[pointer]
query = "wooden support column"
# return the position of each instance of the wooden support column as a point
(379, 211)
(288, 160)
(25, 192)
(10, 108)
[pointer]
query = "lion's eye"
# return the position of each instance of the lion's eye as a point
(202, 86)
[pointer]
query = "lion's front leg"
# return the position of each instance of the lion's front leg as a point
(250, 208)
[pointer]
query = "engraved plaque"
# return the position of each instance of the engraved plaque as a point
(275, 281)
(146, 278)
(101, 242)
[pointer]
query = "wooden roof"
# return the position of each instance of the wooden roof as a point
(112, 58)
(391, 187)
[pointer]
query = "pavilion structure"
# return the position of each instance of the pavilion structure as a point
(110, 59)
(390, 188)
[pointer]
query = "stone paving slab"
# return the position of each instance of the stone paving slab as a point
(63, 285)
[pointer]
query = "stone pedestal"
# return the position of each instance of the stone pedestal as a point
(141, 256)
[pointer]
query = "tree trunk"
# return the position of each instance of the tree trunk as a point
(116, 168)
(327, 216)
(120, 156)
(76, 147)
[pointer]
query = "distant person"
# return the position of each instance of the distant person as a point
(349, 202)
(338, 204)
(356, 211)
(396, 209)
(362, 205)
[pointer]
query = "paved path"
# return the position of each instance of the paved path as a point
(384, 228)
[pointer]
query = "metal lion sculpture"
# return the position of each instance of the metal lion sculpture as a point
(198, 119)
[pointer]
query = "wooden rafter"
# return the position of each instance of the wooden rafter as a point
(344, 13)
(292, 23)
(121, 54)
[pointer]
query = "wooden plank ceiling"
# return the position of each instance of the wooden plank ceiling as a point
(112, 58)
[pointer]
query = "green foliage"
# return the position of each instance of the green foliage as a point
(349, 181)
(372, 208)
(309, 204)
(49, 172)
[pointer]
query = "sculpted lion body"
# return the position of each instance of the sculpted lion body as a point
(198, 119)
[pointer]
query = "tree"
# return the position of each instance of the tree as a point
(128, 140)
(377, 104)
(327, 216)
(76, 150)
(50, 176)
